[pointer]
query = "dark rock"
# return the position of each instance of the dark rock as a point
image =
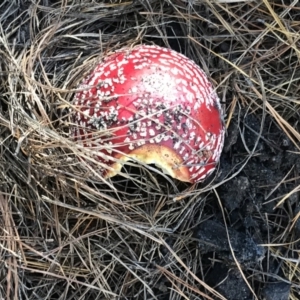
(276, 291)
(229, 283)
(236, 190)
(213, 237)
(232, 136)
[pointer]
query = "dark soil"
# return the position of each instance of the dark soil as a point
(249, 202)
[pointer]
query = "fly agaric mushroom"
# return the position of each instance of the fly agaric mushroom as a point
(151, 105)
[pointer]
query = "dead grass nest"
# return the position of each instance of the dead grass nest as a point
(67, 234)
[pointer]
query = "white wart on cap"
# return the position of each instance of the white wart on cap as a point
(151, 105)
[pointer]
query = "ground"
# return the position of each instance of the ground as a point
(66, 233)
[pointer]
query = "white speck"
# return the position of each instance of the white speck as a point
(174, 71)
(196, 81)
(108, 81)
(139, 143)
(177, 144)
(151, 132)
(210, 171)
(208, 136)
(165, 61)
(197, 167)
(197, 105)
(188, 123)
(202, 170)
(133, 90)
(112, 67)
(182, 150)
(138, 67)
(166, 137)
(192, 135)
(193, 176)
(122, 62)
(158, 138)
(186, 156)
(122, 79)
(201, 146)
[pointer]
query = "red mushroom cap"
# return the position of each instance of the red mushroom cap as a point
(152, 105)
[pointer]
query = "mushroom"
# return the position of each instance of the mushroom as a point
(151, 105)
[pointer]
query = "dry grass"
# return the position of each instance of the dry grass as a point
(67, 234)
